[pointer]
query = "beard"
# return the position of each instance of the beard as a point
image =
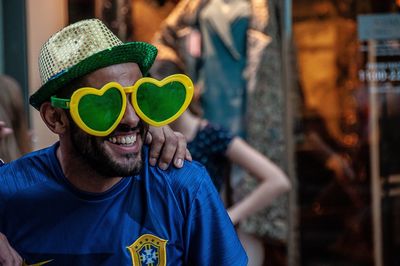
(92, 150)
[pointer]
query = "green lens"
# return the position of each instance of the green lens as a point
(161, 103)
(100, 112)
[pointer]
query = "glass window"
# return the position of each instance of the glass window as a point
(347, 152)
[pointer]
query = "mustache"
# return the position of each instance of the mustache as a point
(126, 128)
(142, 127)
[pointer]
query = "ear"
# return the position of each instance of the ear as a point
(55, 118)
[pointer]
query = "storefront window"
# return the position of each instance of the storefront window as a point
(347, 153)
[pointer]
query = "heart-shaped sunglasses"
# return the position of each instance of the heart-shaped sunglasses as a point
(99, 111)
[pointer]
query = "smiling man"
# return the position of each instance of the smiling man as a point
(94, 198)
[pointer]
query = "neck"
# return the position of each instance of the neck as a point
(81, 175)
(187, 124)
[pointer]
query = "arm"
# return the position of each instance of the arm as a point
(167, 146)
(274, 181)
(8, 256)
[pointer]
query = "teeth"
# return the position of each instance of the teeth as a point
(123, 140)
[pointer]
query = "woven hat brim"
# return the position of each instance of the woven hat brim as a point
(140, 53)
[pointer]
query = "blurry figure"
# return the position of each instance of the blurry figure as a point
(320, 150)
(216, 147)
(334, 202)
(15, 139)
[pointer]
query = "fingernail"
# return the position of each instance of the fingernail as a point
(163, 166)
(179, 163)
(153, 161)
(148, 139)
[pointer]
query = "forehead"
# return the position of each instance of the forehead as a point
(125, 74)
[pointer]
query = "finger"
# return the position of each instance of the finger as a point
(8, 256)
(180, 150)
(148, 138)
(188, 155)
(4, 248)
(169, 148)
(157, 141)
(17, 260)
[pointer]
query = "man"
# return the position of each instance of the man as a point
(93, 198)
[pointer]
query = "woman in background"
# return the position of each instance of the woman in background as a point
(15, 138)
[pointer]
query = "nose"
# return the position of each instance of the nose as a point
(130, 117)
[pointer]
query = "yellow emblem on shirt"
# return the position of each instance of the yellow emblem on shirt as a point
(148, 250)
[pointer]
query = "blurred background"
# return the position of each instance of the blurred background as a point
(317, 92)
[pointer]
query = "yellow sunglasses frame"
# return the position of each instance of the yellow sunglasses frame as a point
(73, 103)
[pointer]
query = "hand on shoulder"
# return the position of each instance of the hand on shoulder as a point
(167, 146)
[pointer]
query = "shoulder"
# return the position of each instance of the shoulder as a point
(26, 171)
(190, 177)
(29, 163)
(180, 184)
(184, 180)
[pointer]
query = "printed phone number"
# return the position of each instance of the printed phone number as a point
(378, 75)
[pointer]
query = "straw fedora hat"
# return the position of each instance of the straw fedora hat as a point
(81, 48)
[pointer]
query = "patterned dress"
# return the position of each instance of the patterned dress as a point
(209, 147)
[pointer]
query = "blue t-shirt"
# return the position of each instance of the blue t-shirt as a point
(172, 217)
